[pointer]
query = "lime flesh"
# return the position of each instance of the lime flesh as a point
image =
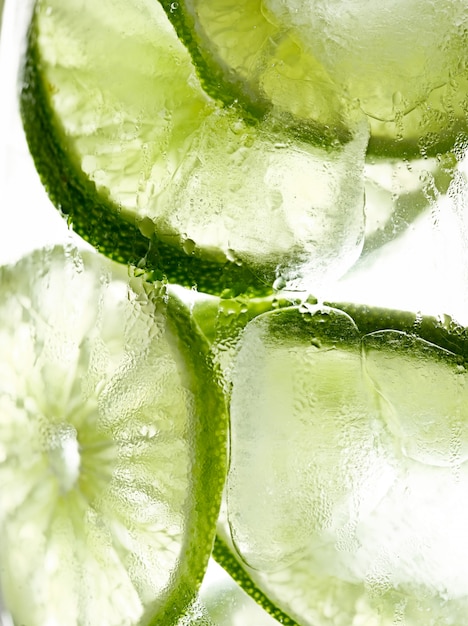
(154, 170)
(112, 446)
(402, 63)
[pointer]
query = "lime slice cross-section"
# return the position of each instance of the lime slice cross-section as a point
(112, 446)
(349, 442)
(404, 62)
(153, 169)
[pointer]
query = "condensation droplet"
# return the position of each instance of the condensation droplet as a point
(189, 246)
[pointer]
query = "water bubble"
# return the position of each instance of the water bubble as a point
(232, 256)
(279, 284)
(189, 246)
(307, 307)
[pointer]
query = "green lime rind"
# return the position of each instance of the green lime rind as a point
(179, 174)
(70, 191)
(217, 319)
(211, 74)
(96, 218)
(435, 127)
(430, 128)
(226, 559)
(442, 331)
(209, 465)
(228, 316)
(222, 322)
(81, 337)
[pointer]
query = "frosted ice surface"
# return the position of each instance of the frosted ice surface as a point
(305, 460)
(307, 202)
(349, 463)
(423, 393)
(388, 54)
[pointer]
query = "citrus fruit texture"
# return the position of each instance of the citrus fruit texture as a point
(345, 490)
(112, 445)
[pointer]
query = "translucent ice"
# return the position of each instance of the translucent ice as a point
(348, 479)
(307, 458)
(390, 55)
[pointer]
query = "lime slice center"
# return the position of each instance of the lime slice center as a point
(64, 455)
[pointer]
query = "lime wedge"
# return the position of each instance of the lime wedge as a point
(349, 442)
(152, 169)
(112, 445)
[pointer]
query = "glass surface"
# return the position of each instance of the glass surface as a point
(423, 269)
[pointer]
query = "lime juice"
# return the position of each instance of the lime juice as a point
(194, 383)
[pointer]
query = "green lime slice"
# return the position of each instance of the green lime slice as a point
(151, 169)
(112, 445)
(349, 442)
(306, 61)
(261, 55)
(244, 54)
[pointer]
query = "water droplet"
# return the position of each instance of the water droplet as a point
(232, 256)
(307, 307)
(146, 226)
(280, 283)
(189, 246)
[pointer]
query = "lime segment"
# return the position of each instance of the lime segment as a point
(112, 446)
(260, 63)
(402, 63)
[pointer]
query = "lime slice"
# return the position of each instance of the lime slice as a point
(403, 63)
(349, 442)
(258, 62)
(112, 445)
(152, 169)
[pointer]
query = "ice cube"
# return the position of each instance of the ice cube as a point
(389, 55)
